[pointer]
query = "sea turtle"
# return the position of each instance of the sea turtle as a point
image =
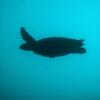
(51, 46)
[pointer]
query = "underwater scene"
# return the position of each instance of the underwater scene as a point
(50, 50)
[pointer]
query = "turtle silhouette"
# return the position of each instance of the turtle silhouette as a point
(51, 46)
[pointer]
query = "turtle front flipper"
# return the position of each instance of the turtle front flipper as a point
(28, 39)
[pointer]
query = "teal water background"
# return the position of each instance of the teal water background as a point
(27, 76)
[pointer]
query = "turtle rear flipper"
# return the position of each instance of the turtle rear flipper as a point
(28, 39)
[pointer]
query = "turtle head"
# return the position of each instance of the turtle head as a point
(26, 47)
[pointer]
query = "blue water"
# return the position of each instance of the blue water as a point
(27, 76)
